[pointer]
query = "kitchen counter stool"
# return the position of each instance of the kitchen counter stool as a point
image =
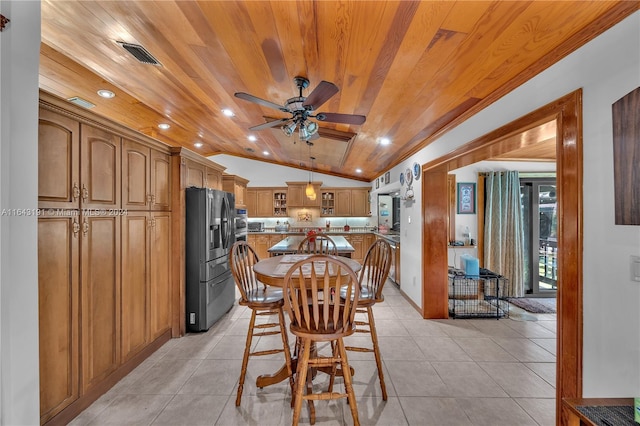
(262, 300)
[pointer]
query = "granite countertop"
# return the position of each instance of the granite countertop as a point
(291, 243)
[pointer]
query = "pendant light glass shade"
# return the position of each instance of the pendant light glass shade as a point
(310, 192)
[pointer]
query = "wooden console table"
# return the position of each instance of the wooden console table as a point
(575, 417)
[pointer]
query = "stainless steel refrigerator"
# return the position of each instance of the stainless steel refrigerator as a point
(210, 233)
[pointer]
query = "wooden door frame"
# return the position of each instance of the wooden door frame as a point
(567, 112)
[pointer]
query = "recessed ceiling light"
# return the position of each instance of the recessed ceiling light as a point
(198, 144)
(252, 138)
(164, 126)
(228, 112)
(265, 152)
(107, 94)
(358, 170)
(385, 141)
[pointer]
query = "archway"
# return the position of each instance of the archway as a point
(567, 112)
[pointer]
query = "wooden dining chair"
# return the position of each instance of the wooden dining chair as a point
(318, 244)
(263, 301)
(373, 275)
(317, 314)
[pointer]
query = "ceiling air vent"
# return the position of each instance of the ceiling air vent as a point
(81, 102)
(140, 53)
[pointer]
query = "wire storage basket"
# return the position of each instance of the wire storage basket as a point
(478, 296)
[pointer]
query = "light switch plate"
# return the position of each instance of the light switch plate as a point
(635, 268)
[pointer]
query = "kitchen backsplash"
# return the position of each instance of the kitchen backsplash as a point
(312, 219)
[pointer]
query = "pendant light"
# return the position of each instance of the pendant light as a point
(310, 191)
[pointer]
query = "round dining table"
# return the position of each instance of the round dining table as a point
(271, 271)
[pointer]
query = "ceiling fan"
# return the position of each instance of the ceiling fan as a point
(301, 109)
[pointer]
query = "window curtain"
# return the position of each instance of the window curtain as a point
(503, 229)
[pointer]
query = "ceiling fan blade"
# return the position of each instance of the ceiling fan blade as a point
(320, 94)
(340, 118)
(269, 124)
(256, 100)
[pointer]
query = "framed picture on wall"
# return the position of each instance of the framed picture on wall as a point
(466, 198)
(387, 178)
(377, 183)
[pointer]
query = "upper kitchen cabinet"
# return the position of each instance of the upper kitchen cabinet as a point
(296, 196)
(146, 177)
(195, 174)
(343, 202)
(360, 204)
(58, 161)
(100, 171)
(78, 166)
(350, 202)
(260, 202)
(213, 178)
(237, 186)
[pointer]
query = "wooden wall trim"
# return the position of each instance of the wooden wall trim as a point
(567, 111)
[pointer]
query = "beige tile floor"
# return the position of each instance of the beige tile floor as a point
(438, 372)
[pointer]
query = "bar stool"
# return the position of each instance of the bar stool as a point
(373, 275)
(262, 300)
(318, 316)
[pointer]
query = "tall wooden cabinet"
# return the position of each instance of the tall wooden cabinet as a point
(146, 261)
(104, 262)
(59, 307)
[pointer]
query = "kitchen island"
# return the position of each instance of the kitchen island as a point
(290, 245)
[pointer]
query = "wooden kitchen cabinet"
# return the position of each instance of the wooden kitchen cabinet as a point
(146, 177)
(97, 318)
(146, 262)
(100, 172)
(213, 178)
(59, 320)
(360, 204)
(195, 174)
(100, 298)
(343, 202)
(262, 199)
(357, 241)
(237, 186)
(160, 274)
(280, 202)
(78, 166)
(260, 243)
(328, 200)
(296, 196)
(58, 161)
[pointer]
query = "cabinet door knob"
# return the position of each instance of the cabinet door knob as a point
(85, 226)
(76, 228)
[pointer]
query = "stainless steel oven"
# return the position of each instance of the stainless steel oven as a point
(241, 224)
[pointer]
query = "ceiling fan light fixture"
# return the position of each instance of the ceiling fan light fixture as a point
(304, 134)
(288, 129)
(312, 128)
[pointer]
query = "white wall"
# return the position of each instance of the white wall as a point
(20, 45)
(606, 69)
(266, 174)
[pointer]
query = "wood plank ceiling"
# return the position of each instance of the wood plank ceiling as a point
(413, 68)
